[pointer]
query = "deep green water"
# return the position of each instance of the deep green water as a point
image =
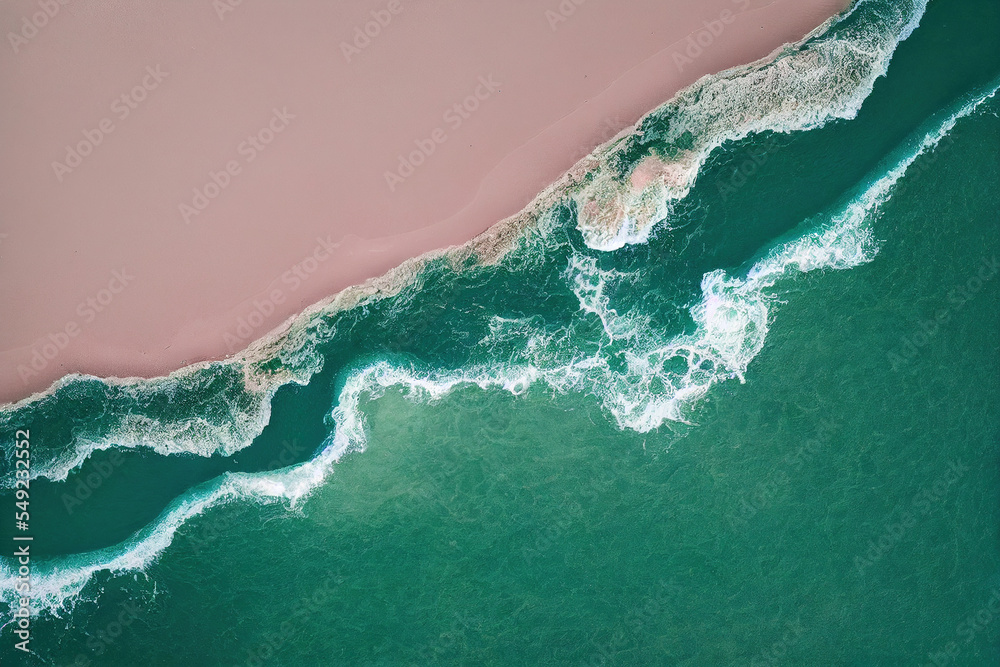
(773, 438)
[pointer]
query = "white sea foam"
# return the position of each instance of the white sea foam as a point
(731, 323)
(230, 414)
(223, 424)
(731, 320)
(590, 284)
(825, 77)
(191, 435)
(831, 76)
(54, 583)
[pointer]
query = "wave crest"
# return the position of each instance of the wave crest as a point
(634, 181)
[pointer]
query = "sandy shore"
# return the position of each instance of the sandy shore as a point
(179, 178)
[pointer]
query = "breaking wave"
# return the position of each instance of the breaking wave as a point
(642, 376)
(633, 182)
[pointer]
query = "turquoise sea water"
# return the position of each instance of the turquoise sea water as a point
(762, 431)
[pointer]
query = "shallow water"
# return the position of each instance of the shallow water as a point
(764, 431)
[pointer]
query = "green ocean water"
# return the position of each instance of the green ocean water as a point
(767, 434)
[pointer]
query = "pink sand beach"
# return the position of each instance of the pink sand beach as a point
(177, 179)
